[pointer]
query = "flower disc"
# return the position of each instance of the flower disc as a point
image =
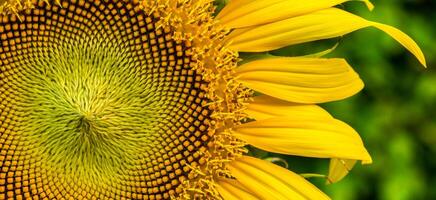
(97, 102)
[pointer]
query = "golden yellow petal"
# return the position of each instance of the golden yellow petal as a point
(304, 136)
(264, 107)
(269, 181)
(236, 16)
(339, 168)
(232, 189)
(404, 40)
(322, 24)
(301, 80)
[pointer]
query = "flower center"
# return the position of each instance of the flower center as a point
(96, 101)
(88, 107)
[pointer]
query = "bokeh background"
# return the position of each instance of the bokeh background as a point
(396, 112)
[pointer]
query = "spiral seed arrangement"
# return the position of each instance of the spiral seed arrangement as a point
(96, 102)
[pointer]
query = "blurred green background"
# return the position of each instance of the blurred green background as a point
(396, 112)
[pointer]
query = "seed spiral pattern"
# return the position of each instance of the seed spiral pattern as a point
(97, 102)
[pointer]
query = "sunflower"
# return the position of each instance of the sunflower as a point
(131, 99)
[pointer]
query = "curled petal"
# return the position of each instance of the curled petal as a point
(339, 168)
(318, 25)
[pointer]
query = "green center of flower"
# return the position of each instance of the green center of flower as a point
(89, 108)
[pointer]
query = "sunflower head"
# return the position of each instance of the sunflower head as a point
(132, 99)
(112, 99)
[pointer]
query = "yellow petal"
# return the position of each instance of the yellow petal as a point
(232, 189)
(304, 136)
(269, 181)
(238, 15)
(338, 169)
(322, 24)
(322, 53)
(301, 80)
(264, 107)
(404, 40)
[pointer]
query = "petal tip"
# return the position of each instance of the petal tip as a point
(369, 5)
